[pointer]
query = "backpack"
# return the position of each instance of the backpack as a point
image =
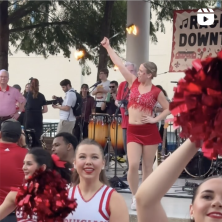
(77, 109)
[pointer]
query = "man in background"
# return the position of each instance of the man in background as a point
(64, 145)
(67, 118)
(101, 90)
(81, 127)
(11, 161)
(18, 87)
(109, 106)
(9, 97)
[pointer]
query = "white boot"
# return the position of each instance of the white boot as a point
(133, 204)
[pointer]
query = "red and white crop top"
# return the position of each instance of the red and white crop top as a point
(145, 101)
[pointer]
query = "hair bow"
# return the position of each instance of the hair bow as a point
(57, 161)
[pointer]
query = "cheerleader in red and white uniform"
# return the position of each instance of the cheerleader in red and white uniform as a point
(43, 196)
(96, 200)
(142, 133)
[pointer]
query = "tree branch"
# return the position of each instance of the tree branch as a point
(45, 24)
(23, 11)
(11, 4)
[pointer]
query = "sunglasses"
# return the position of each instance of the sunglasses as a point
(112, 87)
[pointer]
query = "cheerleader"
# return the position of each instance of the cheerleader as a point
(96, 200)
(142, 133)
(43, 197)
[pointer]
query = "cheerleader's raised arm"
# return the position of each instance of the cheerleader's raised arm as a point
(197, 109)
(129, 77)
(152, 190)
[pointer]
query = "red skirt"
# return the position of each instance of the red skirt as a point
(146, 134)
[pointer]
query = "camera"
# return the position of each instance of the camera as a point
(56, 101)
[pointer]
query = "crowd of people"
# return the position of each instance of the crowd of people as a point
(78, 163)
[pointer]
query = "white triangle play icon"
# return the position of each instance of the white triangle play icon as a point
(7, 149)
(205, 18)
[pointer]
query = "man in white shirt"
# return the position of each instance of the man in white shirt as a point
(101, 90)
(67, 118)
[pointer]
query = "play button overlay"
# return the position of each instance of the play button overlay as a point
(205, 18)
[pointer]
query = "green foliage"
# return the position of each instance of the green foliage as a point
(50, 27)
(89, 29)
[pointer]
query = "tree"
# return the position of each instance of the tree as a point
(109, 20)
(4, 35)
(47, 27)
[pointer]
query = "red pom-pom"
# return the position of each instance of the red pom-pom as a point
(197, 105)
(45, 194)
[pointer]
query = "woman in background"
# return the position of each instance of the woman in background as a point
(25, 93)
(87, 109)
(21, 118)
(35, 107)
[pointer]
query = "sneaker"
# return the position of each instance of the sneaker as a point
(133, 204)
(121, 159)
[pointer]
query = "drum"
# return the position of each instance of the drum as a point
(118, 120)
(98, 128)
(199, 166)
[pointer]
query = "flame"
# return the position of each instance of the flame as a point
(79, 54)
(115, 68)
(132, 29)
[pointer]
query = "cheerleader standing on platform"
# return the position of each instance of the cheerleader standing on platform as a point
(142, 132)
(46, 178)
(96, 200)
